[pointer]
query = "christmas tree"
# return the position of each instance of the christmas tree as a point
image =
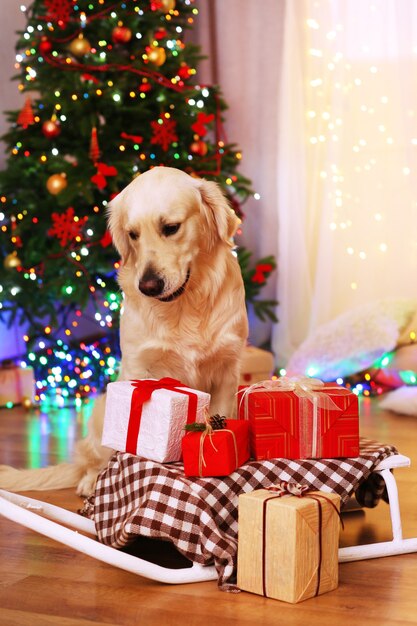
(109, 89)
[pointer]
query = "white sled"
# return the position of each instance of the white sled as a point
(79, 533)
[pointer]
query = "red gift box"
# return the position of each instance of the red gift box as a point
(217, 453)
(299, 419)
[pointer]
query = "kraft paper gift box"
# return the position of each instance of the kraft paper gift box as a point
(288, 546)
(300, 419)
(17, 385)
(218, 453)
(256, 365)
(147, 417)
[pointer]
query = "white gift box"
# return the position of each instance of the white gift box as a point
(161, 423)
(17, 384)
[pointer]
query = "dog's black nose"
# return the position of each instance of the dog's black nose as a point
(151, 284)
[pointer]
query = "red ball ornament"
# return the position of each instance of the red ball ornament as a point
(161, 33)
(184, 71)
(121, 34)
(45, 46)
(51, 129)
(199, 147)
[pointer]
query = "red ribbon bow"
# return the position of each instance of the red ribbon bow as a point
(199, 127)
(103, 170)
(142, 392)
(260, 271)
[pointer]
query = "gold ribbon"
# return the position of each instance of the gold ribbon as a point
(209, 432)
(201, 460)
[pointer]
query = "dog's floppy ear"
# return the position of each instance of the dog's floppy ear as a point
(115, 225)
(222, 221)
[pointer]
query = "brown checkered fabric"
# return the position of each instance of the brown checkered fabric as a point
(199, 515)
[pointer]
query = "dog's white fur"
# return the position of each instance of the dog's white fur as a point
(198, 337)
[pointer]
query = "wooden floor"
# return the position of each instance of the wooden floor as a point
(43, 582)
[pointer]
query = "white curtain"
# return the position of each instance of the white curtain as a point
(347, 161)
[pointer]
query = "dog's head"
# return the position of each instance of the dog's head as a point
(161, 223)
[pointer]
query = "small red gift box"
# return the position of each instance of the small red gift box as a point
(218, 453)
(300, 418)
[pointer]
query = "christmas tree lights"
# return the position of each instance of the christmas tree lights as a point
(108, 91)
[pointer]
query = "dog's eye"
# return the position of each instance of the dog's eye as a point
(170, 229)
(133, 235)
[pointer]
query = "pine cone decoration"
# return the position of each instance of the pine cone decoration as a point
(217, 422)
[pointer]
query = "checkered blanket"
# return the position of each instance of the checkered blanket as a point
(200, 515)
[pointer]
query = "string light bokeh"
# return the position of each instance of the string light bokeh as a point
(360, 112)
(349, 153)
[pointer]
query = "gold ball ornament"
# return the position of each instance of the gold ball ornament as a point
(168, 5)
(157, 56)
(26, 402)
(11, 261)
(56, 183)
(79, 46)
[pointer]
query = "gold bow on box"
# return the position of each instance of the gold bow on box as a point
(313, 394)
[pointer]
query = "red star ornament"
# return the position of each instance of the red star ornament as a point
(65, 227)
(59, 11)
(164, 132)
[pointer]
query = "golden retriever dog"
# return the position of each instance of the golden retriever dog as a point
(184, 313)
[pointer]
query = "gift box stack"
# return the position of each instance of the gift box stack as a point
(288, 548)
(149, 418)
(287, 543)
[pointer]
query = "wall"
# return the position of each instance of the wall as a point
(11, 343)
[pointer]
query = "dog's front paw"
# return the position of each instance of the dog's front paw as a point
(87, 484)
